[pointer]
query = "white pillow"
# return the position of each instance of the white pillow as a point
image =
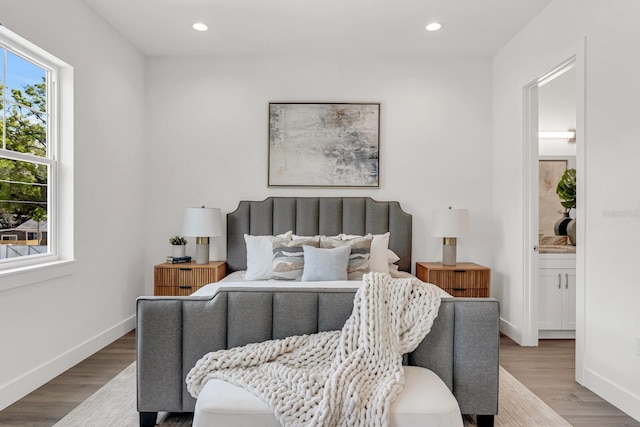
(379, 246)
(392, 258)
(393, 270)
(260, 256)
(296, 237)
(325, 264)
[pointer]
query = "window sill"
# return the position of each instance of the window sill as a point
(27, 275)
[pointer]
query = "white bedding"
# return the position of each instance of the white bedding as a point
(236, 280)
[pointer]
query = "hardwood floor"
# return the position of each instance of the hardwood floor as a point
(51, 402)
(546, 370)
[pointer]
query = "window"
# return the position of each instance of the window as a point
(28, 152)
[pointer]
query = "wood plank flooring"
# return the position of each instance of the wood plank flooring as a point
(50, 403)
(546, 370)
(549, 371)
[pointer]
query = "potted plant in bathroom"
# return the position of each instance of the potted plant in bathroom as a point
(179, 244)
(566, 190)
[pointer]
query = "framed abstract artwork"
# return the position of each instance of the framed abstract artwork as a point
(324, 144)
(550, 208)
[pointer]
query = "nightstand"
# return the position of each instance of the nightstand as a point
(465, 279)
(185, 278)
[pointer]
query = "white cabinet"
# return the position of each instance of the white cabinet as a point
(557, 296)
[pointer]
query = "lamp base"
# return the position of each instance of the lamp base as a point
(449, 251)
(202, 250)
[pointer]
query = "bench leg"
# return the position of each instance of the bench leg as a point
(148, 419)
(485, 420)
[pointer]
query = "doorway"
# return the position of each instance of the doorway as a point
(556, 208)
(536, 149)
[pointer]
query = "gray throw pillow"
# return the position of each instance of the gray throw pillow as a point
(325, 264)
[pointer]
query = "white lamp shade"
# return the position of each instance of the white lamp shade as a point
(450, 222)
(202, 222)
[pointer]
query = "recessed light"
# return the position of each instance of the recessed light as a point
(434, 26)
(199, 26)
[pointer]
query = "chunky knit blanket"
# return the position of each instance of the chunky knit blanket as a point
(336, 378)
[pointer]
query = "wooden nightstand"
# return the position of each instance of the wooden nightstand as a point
(464, 279)
(185, 279)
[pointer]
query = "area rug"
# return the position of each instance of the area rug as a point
(115, 405)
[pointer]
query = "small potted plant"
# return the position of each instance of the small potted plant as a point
(179, 244)
(566, 190)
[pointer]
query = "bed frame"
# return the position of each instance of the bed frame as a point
(174, 332)
(307, 216)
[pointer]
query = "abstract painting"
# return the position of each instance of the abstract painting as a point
(551, 210)
(324, 144)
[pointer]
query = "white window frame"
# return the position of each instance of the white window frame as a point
(20, 271)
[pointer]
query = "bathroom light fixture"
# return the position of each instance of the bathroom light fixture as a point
(200, 26)
(559, 135)
(569, 135)
(434, 26)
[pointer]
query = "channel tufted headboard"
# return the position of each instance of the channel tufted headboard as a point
(310, 216)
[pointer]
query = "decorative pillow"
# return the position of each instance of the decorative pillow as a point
(379, 247)
(392, 258)
(359, 256)
(393, 269)
(296, 237)
(325, 264)
(288, 257)
(260, 255)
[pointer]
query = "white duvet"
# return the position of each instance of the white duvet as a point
(236, 280)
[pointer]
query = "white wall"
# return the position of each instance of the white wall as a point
(208, 126)
(49, 326)
(610, 211)
(557, 113)
(557, 103)
(557, 147)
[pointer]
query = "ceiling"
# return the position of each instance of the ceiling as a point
(351, 27)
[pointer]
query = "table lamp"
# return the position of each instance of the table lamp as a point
(202, 223)
(449, 224)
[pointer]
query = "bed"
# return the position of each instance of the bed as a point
(174, 332)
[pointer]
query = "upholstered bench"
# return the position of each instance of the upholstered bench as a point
(424, 401)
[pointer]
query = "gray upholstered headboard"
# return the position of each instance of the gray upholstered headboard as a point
(309, 216)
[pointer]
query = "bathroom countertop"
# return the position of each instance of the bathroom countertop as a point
(557, 249)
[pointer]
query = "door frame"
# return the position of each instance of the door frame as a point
(530, 191)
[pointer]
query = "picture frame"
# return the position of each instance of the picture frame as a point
(550, 209)
(322, 144)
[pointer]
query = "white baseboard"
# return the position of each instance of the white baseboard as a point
(556, 334)
(619, 397)
(25, 384)
(511, 331)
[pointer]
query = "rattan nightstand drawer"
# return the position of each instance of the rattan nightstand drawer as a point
(461, 280)
(185, 279)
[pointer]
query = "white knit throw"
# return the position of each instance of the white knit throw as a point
(336, 378)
